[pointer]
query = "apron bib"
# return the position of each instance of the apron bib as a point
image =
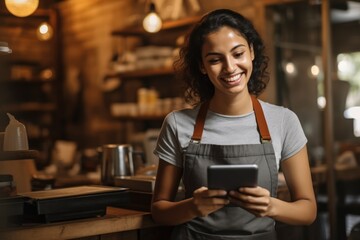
(228, 222)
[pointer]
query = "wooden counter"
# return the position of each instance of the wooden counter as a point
(118, 223)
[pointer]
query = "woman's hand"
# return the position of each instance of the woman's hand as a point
(206, 201)
(256, 200)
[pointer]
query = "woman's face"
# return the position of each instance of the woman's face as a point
(227, 60)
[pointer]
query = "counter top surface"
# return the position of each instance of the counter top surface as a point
(119, 219)
(115, 220)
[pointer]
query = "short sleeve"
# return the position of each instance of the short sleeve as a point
(293, 136)
(168, 147)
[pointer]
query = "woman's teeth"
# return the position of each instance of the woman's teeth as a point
(233, 78)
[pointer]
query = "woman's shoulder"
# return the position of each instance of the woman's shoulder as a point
(270, 106)
(277, 111)
(182, 115)
(188, 111)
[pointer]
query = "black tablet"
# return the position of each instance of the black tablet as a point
(231, 177)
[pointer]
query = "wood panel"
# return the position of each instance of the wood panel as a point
(86, 31)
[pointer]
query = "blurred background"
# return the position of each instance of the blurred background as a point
(81, 74)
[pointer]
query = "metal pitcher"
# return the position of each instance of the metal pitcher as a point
(116, 160)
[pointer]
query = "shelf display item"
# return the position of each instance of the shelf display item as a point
(15, 135)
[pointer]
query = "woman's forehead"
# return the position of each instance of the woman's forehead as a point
(223, 36)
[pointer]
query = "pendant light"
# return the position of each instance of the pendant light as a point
(44, 32)
(21, 8)
(152, 22)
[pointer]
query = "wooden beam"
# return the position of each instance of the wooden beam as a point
(328, 116)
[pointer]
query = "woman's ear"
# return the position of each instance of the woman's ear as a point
(202, 69)
(252, 53)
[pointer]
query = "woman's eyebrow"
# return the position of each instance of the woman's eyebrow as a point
(232, 49)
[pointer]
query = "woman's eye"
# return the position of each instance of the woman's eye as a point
(238, 55)
(214, 60)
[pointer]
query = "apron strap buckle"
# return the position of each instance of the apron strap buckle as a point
(196, 141)
(264, 140)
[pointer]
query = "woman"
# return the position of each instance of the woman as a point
(225, 68)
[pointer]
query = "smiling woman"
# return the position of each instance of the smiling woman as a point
(224, 67)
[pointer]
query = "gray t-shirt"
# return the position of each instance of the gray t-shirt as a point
(284, 126)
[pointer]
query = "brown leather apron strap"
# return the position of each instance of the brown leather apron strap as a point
(200, 122)
(259, 115)
(260, 119)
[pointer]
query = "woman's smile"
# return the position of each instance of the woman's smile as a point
(233, 79)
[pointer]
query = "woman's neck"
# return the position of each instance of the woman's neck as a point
(237, 105)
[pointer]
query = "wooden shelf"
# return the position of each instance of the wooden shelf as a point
(26, 81)
(138, 31)
(28, 107)
(144, 73)
(18, 155)
(140, 117)
(39, 13)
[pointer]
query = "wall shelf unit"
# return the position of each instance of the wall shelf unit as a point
(160, 77)
(143, 73)
(30, 84)
(167, 25)
(139, 117)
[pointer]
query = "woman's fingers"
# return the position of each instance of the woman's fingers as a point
(207, 201)
(255, 200)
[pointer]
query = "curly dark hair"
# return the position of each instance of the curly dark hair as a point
(198, 87)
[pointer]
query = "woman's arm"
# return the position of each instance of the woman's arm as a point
(302, 208)
(165, 211)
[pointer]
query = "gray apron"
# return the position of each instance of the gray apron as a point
(228, 222)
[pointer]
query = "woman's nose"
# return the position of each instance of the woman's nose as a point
(229, 65)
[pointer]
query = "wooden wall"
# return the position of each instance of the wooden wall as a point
(87, 50)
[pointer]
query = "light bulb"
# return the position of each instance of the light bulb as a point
(22, 8)
(152, 22)
(44, 31)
